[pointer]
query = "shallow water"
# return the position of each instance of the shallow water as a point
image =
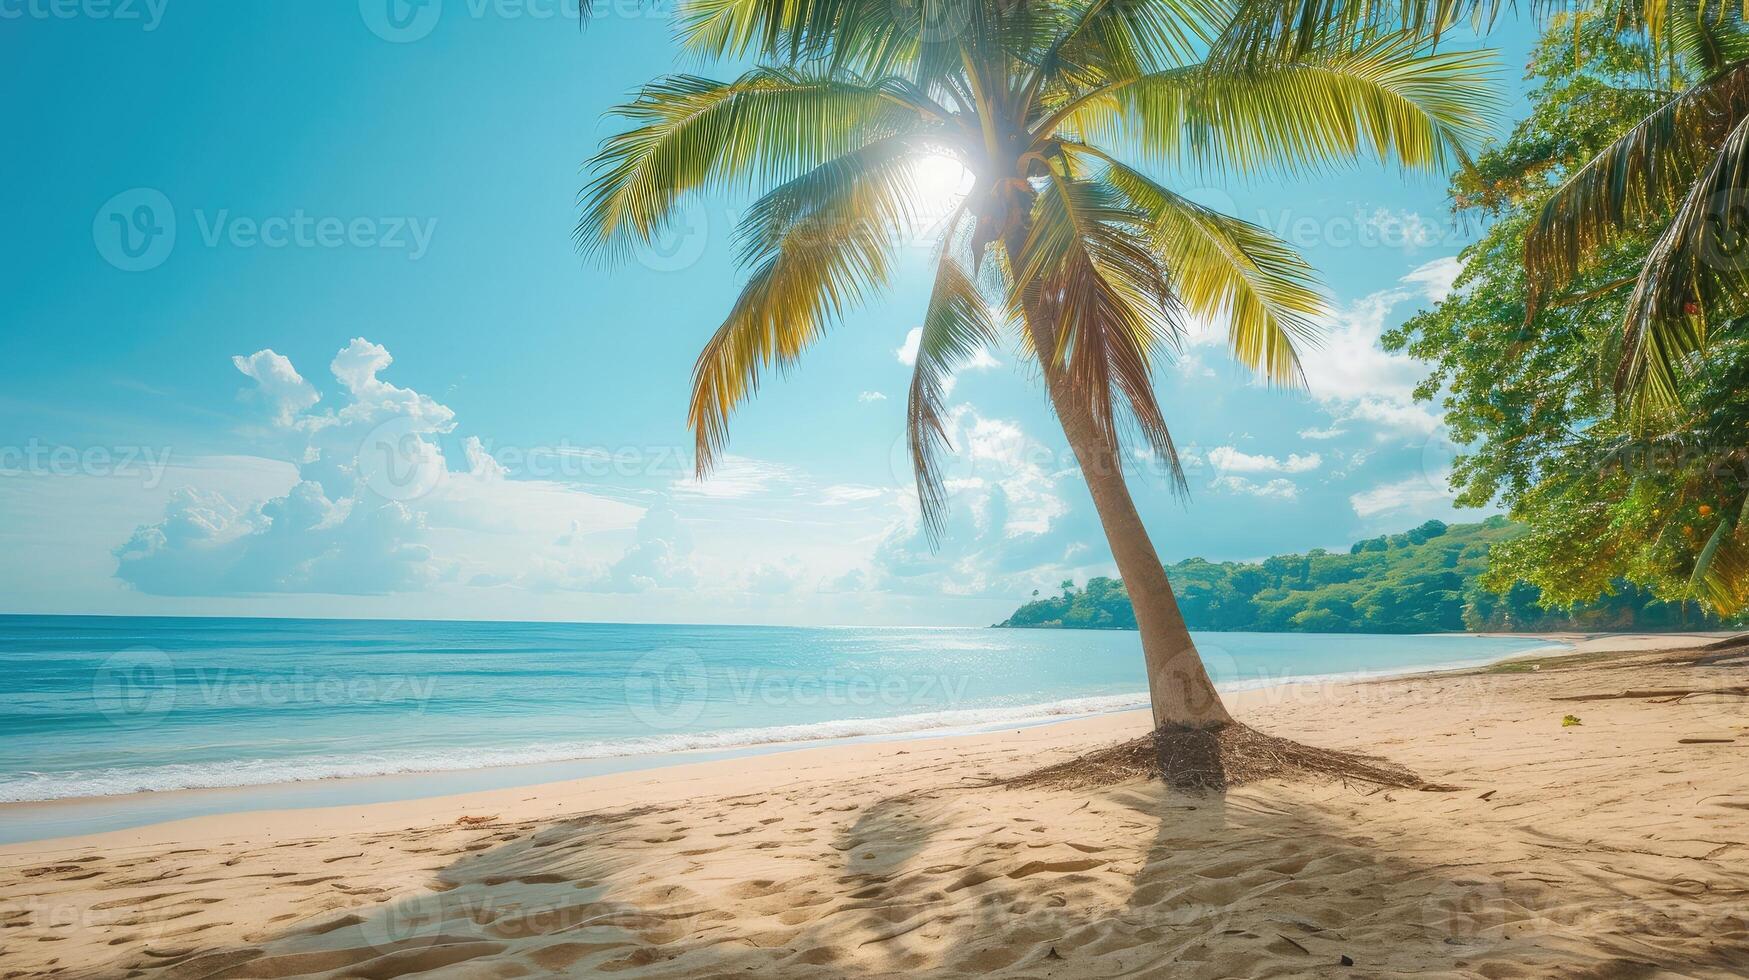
(94, 706)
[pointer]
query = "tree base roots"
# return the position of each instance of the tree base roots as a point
(1215, 759)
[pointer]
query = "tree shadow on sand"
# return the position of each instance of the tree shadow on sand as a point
(1027, 878)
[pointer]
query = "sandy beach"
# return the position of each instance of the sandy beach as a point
(1615, 847)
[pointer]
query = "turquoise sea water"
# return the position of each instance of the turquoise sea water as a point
(96, 706)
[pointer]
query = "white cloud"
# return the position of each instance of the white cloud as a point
(1227, 459)
(372, 496)
(1348, 372)
(480, 462)
(1415, 495)
(1396, 228)
(1413, 418)
(774, 578)
(1435, 279)
(1349, 462)
(1278, 488)
(1008, 527)
(907, 351)
(657, 557)
(278, 383)
(871, 396)
(301, 542)
(373, 399)
(1355, 378)
(981, 360)
(736, 477)
(844, 493)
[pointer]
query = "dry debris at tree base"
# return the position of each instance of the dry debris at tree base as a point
(1202, 758)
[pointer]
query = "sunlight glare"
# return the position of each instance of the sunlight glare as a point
(942, 180)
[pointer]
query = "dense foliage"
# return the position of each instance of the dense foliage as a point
(1605, 494)
(1426, 580)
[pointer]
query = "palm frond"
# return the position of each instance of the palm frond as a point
(786, 29)
(956, 327)
(820, 244)
(1640, 177)
(694, 133)
(1721, 570)
(1273, 30)
(1227, 269)
(1696, 272)
(1098, 300)
(1106, 39)
(1391, 98)
(916, 39)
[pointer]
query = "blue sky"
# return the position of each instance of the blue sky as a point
(258, 256)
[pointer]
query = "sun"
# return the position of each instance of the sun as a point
(942, 179)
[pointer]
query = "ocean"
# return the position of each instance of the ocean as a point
(98, 706)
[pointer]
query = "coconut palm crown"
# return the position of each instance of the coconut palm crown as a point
(1064, 243)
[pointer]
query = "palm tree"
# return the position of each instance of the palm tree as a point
(1681, 173)
(1087, 260)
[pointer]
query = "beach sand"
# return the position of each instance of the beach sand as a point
(1618, 847)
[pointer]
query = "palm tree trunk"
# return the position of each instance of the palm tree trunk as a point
(1178, 684)
(1179, 688)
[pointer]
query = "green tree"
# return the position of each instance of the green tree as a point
(1088, 258)
(1682, 171)
(1606, 499)
(1426, 580)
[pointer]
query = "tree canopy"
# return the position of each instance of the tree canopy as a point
(1425, 580)
(1606, 494)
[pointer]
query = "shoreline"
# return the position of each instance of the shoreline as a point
(1528, 851)
(741, 704)
(22, 822)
